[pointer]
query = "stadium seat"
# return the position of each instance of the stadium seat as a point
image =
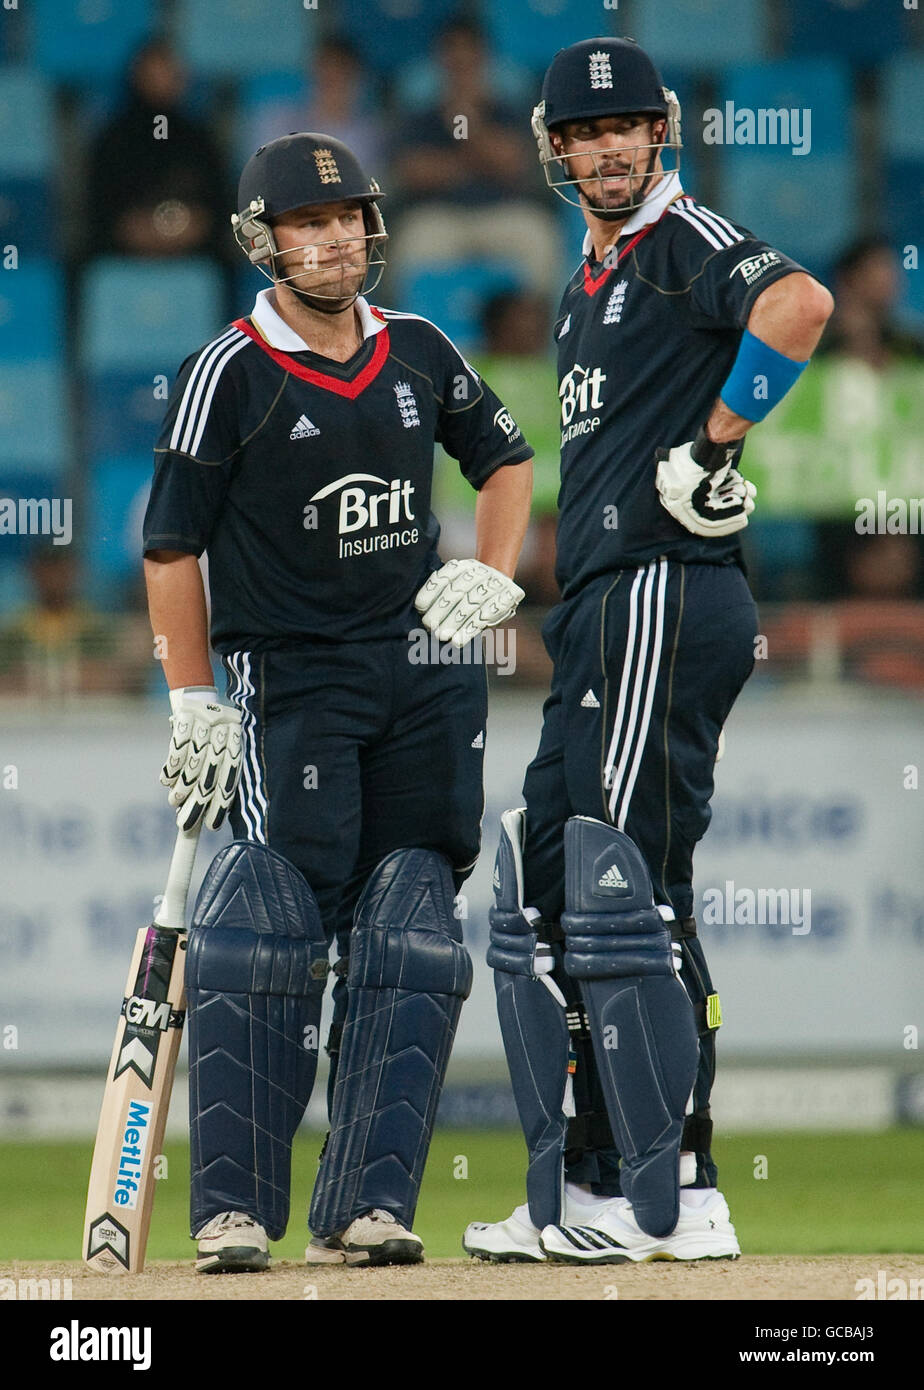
(454, 295)
(34, 405)
(806, 207)
(26, 124)
(124, 413)
(700, 33)
(911, 307)
(27, 217)
(148, 314)
(388, 32)
(865, 31)
(15, 589)
(821, 86)
(31, 312)
(73, 41)
(242, 38)
(118, 493)
(904, 199)
(901, 120)
(530, 32)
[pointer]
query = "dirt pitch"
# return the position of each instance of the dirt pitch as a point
(770, 1277)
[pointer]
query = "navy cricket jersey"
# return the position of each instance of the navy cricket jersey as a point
(644, 348)
(308, 481)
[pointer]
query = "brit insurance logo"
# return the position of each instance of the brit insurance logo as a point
(371, 513)
(580, 393)
(753, 267)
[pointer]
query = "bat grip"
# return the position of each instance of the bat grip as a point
(172, 910)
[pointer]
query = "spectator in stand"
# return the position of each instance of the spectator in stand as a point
(156, 183)
(467, 169)
(57, 645)
(339, 99)
(867, 286)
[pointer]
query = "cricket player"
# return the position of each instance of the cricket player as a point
(676, 334)
(297, 453)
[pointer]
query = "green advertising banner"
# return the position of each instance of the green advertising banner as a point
(847, 441)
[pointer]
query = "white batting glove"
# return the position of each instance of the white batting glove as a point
(701, 488)
(463, 598)
(203, 764)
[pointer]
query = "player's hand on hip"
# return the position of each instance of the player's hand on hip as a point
(463, 597)
(203, 764)
(700, 486)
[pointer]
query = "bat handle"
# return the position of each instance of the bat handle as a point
(172, 910)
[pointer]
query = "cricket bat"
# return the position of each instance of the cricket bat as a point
(133, 1115)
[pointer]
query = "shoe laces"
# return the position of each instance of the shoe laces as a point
(225, 1221)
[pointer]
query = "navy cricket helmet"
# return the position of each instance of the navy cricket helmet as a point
(299, 170)
(595, 78)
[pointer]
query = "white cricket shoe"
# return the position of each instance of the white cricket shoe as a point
(613, 1236)
(375, 1238)
(516, 1240)
(232, 1243)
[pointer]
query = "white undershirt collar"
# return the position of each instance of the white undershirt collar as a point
(647, 212)
(279, 335)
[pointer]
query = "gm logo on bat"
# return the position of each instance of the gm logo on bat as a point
(147, 1013)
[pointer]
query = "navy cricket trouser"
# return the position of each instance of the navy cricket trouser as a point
(647, 665)
(352, 751)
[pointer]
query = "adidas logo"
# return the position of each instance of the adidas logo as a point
(303, 428)
(612, 878)
(590, 701)
(478, 740)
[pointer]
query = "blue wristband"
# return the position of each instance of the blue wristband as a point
(759, 378)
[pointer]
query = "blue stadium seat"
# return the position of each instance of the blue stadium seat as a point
(805, 207)
(240, 38)
(27, 218)
(31, 312)
(904, 200)
(34, 404)
(123, 412)
(700, 33)
(865, 31)
(19, 483)
(138, 314)
(27, 157)
(901, 116)
(15, 589)
(391, 32)
(26, 124)
(910, 309)
(118, 494)
(76, 41)
(454, 295)
(820, 85)
(530, 32)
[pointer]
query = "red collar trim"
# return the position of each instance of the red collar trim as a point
(590, 284)
(350, 389)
